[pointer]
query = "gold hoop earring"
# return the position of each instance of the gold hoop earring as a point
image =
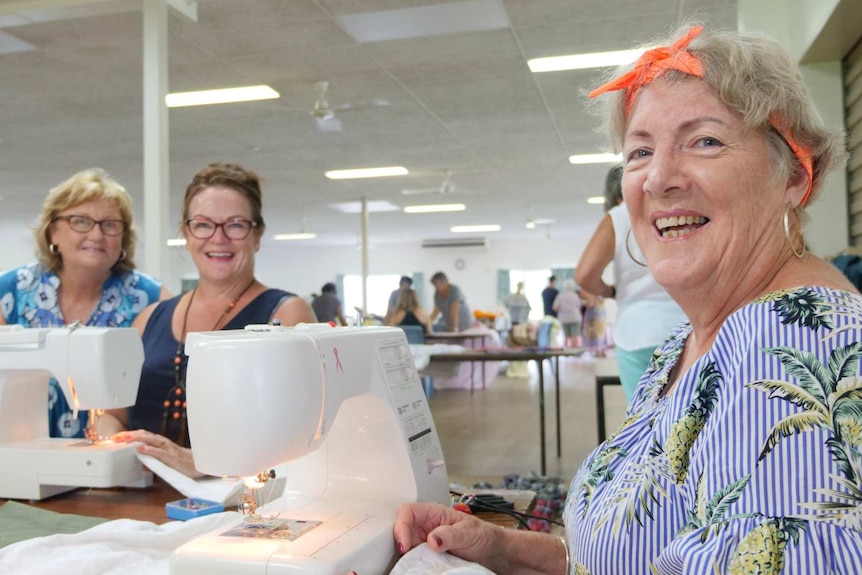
(798, 254)
(122, 256)
(629, 251)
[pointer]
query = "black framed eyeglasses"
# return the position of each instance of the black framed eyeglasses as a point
(235, 229)
(84, 224)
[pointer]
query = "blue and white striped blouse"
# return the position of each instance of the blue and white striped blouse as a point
(752, 465)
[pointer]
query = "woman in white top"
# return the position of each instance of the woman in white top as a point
(645, 312)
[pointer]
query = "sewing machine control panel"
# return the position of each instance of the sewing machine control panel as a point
(407, 395)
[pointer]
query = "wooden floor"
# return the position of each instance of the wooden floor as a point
(495, 432)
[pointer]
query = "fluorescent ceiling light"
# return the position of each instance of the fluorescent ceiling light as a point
(373, 206)
(221, 96)
(606, 158)
(174, 242)
(596, 200)
(432, 208)
(366, 173)
(533, 222)
(471, 229)
(423, 21)
(298, 236)
(583, 61)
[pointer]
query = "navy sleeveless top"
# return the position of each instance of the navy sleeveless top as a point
(411, 319)
(159, 376)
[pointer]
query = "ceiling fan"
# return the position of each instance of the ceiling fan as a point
(325, 115)
(446, 187)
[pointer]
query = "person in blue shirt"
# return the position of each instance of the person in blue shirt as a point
(85, 243)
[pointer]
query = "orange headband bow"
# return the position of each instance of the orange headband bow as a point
(653, 63)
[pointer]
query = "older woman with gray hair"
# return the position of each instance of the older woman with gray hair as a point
(742, 448)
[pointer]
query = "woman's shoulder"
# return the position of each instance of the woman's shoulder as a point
(138, 280)
(806, 319)
(805, 307)
(25, 278)
(34, 269)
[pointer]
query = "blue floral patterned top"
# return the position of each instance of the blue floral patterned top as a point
(752, 465)
(28, 297)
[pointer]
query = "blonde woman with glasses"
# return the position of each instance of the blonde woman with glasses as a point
(85, 243)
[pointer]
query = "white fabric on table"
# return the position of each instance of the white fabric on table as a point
(216, 489)
(422, 560)
(422, 352)
(121, 547)
(458, 375)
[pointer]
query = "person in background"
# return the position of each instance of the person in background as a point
(408, 311)
(517, 305)
(404, 283)
(549, 294)
(327, 306)
(85, 244)
(568, 308)
(594, 330)
(645, 312)
(740, 452)
(223, 225)
(849, 263)
(449, 303)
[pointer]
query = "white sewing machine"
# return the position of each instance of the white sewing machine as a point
(97, 368)
(345, 409)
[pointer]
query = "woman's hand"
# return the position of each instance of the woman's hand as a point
(445, 529)
(163, 449)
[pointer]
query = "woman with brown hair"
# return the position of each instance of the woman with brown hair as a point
(223, 226)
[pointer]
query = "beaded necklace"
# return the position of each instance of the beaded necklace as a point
(175, 402)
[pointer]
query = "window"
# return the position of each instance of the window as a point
(379, 288)
(534, 282)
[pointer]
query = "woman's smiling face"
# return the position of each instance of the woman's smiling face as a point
(699, 186)
(221, 258)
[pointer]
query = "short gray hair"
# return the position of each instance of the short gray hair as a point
(757, 78)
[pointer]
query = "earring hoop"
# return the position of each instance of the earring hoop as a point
(54, 249)
(629, 251)
(800, 253)
(122, 256)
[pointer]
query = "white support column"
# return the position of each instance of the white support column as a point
(156, 138)
(364, 257)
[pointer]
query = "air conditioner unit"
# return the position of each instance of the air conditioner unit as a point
(456, 243)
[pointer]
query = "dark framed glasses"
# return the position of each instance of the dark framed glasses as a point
(205, 228)
(84, 224)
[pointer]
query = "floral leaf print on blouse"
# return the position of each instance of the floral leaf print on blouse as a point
(845, 506)
(710, 512)
(830, 397)
(685, 430)
(803, 306)
(761, 551)
(637, 491)
(598, 471)
(664, 359)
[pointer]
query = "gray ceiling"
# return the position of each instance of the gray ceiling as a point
(460, 101)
